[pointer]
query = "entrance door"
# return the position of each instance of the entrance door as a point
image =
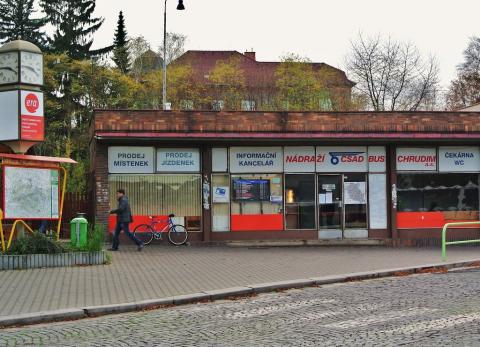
(330, 206)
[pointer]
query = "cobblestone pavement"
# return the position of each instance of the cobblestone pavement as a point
(165, 271)
(423, 310)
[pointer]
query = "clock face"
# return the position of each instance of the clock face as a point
(8, 67)
(31, 68)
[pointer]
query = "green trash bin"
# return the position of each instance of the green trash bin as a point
(78, 232)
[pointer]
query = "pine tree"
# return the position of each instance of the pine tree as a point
(74, 27)
(121, 54)
(16, 22)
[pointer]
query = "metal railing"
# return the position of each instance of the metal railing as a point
(444, 237)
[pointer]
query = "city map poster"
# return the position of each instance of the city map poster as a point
(30, 193)
(355, 193)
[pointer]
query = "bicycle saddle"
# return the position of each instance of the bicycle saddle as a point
(171, 215)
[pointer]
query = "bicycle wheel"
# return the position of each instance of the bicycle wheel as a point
(177, 235)
(144, 233)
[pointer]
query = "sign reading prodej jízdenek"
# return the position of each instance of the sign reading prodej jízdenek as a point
(131, 159)
(178, 160)
(256, 159)
(459, 159)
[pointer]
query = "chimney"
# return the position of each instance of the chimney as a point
(250, 55)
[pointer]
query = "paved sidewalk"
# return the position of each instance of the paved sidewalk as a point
(165, 271)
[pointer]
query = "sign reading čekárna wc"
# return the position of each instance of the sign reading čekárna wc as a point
(123, 159)
(256, 159)
(459, 159)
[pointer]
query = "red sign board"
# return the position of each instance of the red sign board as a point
(32, 125)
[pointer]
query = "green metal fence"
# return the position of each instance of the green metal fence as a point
(444, 237)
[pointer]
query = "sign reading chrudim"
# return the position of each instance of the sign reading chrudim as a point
(416, 159)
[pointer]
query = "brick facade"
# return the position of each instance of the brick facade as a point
(285, 122)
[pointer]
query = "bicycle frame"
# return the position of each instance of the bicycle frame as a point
(158, 234)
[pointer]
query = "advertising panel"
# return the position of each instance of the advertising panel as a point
(299, 159)
(122, 159)
(9, 116)
(256, 159)
(416, 159)
(459, 159)
(178, 160)
(341, 159)
(32, 122)
(30, 193)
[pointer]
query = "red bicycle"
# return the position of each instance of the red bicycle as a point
(177, 234)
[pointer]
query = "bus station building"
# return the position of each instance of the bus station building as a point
(397, 177)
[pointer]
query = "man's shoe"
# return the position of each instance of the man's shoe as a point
(113, 249)
(140, 247)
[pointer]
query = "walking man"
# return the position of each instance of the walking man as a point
(124, 218)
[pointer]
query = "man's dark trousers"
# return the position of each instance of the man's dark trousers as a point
(116, 234)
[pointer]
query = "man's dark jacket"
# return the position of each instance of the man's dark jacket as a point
(123, 212)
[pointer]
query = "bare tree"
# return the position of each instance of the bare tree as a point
(392, 75)
(175, 47)
(464, 90)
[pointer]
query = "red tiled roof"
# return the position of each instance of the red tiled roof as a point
(255, 71)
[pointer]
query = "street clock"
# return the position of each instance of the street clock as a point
(21, 62)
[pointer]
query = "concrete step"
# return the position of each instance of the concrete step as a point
(302, 243)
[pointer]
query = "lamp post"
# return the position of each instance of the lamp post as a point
(180, 7)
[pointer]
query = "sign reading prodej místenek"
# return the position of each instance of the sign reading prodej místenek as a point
(122, 159)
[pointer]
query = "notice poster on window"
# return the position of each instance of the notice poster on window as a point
(221, 194)
(251, 190)
(355, 193)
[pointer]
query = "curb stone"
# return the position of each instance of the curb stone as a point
(227, 292)
(190, 298)
(92, 311)
(42, 317)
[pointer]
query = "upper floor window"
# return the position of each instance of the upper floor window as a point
(218, 105)
(248, 105)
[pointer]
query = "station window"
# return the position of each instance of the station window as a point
(300, 201)
(256, 202)
(160, 195)
(431, 200)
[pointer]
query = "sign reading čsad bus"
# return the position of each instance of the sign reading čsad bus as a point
(30, 193)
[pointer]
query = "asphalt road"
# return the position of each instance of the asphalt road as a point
(421, 310)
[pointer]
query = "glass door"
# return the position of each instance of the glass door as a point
(330, 206)
(355, 205)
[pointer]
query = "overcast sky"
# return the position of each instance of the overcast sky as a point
(318, 29)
